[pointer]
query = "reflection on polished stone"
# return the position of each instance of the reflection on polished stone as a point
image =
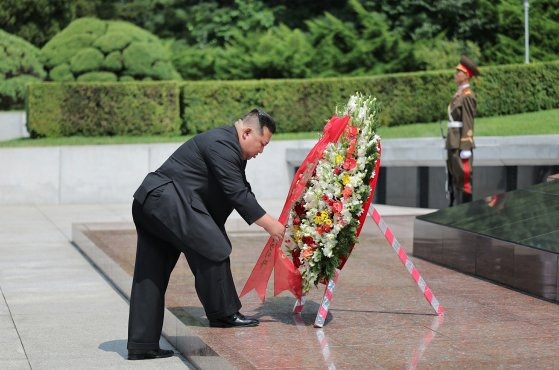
(511, 238)
(529, 216)
(378, 317)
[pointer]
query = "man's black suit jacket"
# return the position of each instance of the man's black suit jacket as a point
(197, 188)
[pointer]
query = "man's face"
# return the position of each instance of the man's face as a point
(460, 77)
(252, 143)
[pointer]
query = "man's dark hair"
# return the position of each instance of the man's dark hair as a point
(264, 119)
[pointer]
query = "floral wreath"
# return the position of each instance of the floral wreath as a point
(324, 222)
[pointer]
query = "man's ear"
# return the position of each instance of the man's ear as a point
(246, 131)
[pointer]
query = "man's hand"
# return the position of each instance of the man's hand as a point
(272, 226)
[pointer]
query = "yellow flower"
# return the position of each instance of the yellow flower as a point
(319, 219)
(328, 221)
(338, 159)
(346, 180)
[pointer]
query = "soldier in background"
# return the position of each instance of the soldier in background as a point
(460, 137)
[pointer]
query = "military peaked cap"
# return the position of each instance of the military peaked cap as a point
(468, 66)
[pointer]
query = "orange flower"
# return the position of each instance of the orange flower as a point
(337, 207)
(351, 131)
(347, 192)
(351, 148)
(307, 253)
(349, 164)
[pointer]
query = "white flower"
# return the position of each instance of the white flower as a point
(352, 104)
(363, 113)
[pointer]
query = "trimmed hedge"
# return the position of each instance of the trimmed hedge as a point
(518, 88)
(19, 65)
(106, 51)
(304, 105)
(96, 109)
(297, 105)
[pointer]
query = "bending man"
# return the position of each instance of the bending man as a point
(182, 208)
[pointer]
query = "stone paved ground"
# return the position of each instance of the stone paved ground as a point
(56, 310)
(378, 318)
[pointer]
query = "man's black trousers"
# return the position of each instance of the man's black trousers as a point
(156, 256)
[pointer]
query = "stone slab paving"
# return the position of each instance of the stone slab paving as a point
(378, 317)
(56, 310)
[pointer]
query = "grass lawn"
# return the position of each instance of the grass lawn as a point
(544, 122)
(535, 123)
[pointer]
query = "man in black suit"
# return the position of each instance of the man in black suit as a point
(182, 207)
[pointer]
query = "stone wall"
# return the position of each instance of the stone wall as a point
(410, 169)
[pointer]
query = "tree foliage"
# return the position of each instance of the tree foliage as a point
(232, 39)
(544, 32)
(36, 21)
(359, 37)
(19, 65)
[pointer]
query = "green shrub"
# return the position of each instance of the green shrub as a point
(86, 60)
(304, 105)
(518, 88)
(62, 72)
(19, 65)
(45, 108)
(97, 76)
(106, 48)
(112, 41)
(194, 63)
(113, 61)
(297, 105)
(96, 109)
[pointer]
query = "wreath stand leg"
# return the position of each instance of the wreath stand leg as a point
(326, 300)
(325, 304)
(406, 261)
(300, 304)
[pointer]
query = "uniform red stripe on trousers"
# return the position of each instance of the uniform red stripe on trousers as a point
(467, 176)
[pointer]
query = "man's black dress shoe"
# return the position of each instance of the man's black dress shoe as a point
(242, 316)
(140, 354)
(237, 319)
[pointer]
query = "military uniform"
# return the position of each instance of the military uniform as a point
(460, 138)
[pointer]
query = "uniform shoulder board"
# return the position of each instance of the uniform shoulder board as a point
(467, 91)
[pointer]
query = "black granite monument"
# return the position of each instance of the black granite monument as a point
(511, 238)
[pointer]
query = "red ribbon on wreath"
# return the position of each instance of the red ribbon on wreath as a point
(286, 275)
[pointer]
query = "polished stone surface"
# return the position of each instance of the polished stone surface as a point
(510, 238)
(378, 317)
(529, 216)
